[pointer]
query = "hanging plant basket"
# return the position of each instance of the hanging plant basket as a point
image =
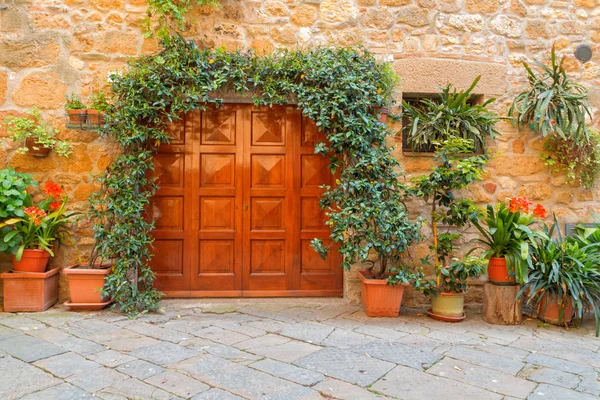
(36, 149)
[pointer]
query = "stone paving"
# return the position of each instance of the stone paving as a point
(289, 349)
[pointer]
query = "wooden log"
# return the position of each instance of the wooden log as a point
(500, 306)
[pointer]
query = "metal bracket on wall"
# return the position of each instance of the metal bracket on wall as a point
(3, 8)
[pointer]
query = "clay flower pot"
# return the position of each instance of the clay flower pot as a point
(549, 310)
(33, 260)
(77, 117)
(448, 307)
(85, 287)
(498, 273)
(94, 117)
(31, 291)
(36, 149)
(378, 298)
(383, 113)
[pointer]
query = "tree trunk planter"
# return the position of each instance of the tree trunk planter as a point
(85, 287)
(36, 149)
(549, 311)
(30, 291)
(500, 306)
(33, 260)
(378, 298)
(498, 273)
(448, 307)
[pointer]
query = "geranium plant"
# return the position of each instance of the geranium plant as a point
(506, 233)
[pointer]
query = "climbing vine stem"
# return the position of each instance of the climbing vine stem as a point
(340, 89)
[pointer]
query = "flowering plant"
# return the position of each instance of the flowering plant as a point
(41, 226)
(506, 233)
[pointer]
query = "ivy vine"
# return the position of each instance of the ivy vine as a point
(340, 89)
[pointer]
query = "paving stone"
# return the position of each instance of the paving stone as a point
(504, 351)
(69, 342)
(111, 358)
(239, 328)
(6, 332)
(67, 364)
(140, 369)
(216, 394)
(61, 392)
(550, 392)
(289, 372)
(334, 388)
(21, 323)
(177, 383)
(98, 379)
(484, 359)
(469, 339)
(130, 344)
(287, 352)
(311, 332)
(559, 364)
(411, 384)
(245, 381)
(29, 349)
(559, 350)
(56, 317)
(398, 353)
(158, 332)
(483, 377)
(421, 342)
(590, 384)
(346, 365)
(188, 325)
(381, 332)
(230, 353)
(551, 376)
(90, 328)
(221, 335)
(343, 339)
(18, 378)
(264, 341)
(163, 353)
(269, 325)
(134, 389)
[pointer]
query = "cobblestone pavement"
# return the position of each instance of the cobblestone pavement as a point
(289, 349)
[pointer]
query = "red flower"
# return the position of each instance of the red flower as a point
(552, 121)
(35, 214)
(519, 204)
(54, 206)
(539, 211)
(53, 190)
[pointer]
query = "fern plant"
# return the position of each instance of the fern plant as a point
(436, 120)
(553, 104)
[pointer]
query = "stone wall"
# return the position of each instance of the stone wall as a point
(52, 47)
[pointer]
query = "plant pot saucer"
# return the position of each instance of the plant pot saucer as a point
(87, 306)
(444, 318)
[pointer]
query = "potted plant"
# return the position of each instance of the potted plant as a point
(507, 237)
(39, 137)
(76, 110)
(448, 296)
(389, 81)
(30, 238)
(564, 279)
(98, 107)
(86, 282)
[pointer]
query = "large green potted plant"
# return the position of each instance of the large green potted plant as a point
(564, 278)
(37, 136)
(507, 237)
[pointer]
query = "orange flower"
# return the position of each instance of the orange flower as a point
(539, 211)
(54, 206)
(35, 214)
(519, 204)
(53, 190)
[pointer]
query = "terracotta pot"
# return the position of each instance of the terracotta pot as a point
(41, 151)
(30, 291)
(85, 284)
(551, 312)
(378, 298)
(77, 117)
(498, 273)
(448, 304)
(33, 260)
(95, 117)
(383, 113)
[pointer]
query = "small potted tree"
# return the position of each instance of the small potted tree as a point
(39, 138)
(76, 110)
(448, 296)
(507, 237)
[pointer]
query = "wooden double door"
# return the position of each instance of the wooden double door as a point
(238, 206)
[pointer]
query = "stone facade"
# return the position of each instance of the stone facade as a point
(52, 47)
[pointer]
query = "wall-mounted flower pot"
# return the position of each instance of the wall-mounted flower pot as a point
(549, 310)
(36, 149)
(77, 117)
(33, 260)
(383, 113)
(85, 287)
(95, 117)
(378, 298)
(30, 291)
(498, 272)
(448, 307)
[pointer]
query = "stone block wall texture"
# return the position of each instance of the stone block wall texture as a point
(52, 47)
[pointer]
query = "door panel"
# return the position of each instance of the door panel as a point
(239, 204)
